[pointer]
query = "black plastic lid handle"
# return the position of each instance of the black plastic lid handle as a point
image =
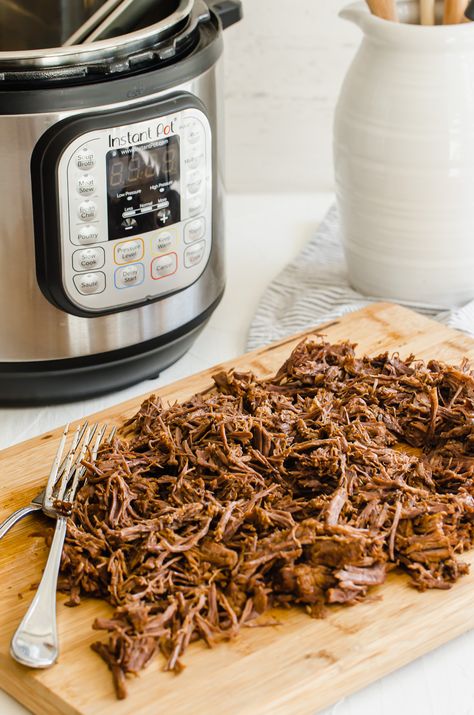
(470, 10)
(228, 11)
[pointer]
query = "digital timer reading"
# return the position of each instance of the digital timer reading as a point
(127, 172)
(143, 187)
(142, 164)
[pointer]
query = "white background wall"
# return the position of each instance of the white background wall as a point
(284, 65)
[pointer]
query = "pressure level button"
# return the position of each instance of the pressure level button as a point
(85, 159)
(129, 251)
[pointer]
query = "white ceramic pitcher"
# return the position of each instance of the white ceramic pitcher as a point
(404, 159)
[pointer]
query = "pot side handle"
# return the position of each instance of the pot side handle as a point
(228, 11)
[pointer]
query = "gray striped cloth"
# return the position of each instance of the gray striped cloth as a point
(314, 289)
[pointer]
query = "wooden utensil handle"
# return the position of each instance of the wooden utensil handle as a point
(454, 11)
(427, 12)
(386, 9)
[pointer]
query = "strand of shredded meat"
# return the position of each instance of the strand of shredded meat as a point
(260, 493)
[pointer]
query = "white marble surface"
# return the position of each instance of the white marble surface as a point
(284, 66)
(264, 233)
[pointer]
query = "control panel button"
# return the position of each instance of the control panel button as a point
(129, 251)
(194, 230)
(193, 161)
(164, 266)
(194, 133)
(85, 185)
(129, 276)
(194, 254)
(88, 234)
(162, 242)
(87, 210)
(194, 182)
(129, 223)
(88, 259)
(164, 216)
(196, 205)
(85, 159)
(90, 283)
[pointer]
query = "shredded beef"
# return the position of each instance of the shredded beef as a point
(298, 489)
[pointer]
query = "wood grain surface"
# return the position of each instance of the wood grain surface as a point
(295, 668)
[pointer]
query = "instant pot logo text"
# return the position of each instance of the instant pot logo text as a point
(160, 130)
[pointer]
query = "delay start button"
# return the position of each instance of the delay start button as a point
(90, 283)
(129, 251)
(129, 276)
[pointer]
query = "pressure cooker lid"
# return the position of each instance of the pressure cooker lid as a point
(76, 36)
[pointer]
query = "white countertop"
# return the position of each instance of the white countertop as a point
(264, 232)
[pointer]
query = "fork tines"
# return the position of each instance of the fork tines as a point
(65, 475)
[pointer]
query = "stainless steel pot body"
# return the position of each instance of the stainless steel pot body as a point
(33, 329)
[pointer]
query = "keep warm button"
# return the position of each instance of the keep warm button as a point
(164, 266)
(194, 254)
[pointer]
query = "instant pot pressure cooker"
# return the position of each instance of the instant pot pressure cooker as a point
(110, 190)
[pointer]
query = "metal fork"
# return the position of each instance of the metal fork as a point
(36, 503)
(35, 643)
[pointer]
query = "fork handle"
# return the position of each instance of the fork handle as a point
(35, 642)
(16, 516)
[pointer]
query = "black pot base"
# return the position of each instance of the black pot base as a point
(70, 380)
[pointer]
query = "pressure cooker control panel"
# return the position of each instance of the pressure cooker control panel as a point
(134, 209)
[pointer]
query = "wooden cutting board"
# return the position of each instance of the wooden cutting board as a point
(295, 668)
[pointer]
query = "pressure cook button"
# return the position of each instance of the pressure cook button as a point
(129, 276)
(162, 242)
(164, 266)
(87, 210)
(194, 230)
(194, 254)
(88, 234)
(85, 159)
(90, 283)
(88, 259)
(129, 251)
(86, 185)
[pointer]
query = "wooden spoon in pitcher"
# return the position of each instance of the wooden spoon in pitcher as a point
(386, 9)
(454, 12)
(427, 12)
